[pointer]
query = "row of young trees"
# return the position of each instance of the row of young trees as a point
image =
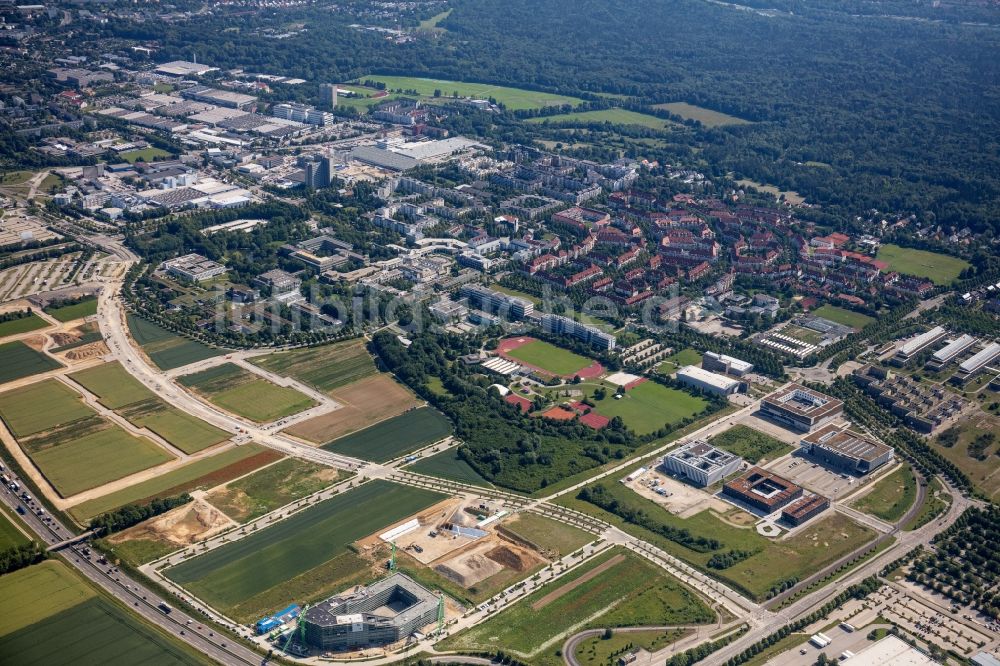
(133, 514)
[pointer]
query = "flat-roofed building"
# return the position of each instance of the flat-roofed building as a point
(804, 509)
(980, 360)
(951, 351)
(233, 100)
(801, 408)
(917, 344)
(595, 337)
(278, 282)
(728, 365)
(193, 268)
(497, 302)
(692, 375)
(846, 450)
(762, 490)
(701, 463)
(891, 651)
(183, 68)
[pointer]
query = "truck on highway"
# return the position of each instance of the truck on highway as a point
(165, 608)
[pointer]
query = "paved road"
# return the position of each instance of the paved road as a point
(223, 649)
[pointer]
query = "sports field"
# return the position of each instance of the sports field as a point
(118, 390)
(648, 406)
(10, 536)
(84, 308)
(323, 368)
(892, 496)
(447, 465)
(235, 573)
(843, 316)
(200, 474)
(165, 349)
(41, 406)
(679, 359)
(613, 116)
(513, 98)
(146, 155)
(95, 459)
(18, 360)
(243, 393)
(938, 268)
(706, 117)
(548, 357)
(61, 620)
(751, 445)
(15, 326)
(272, 487)
(534, 626)
(364, 402)
(394, 437)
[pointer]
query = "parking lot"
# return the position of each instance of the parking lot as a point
(806, 472)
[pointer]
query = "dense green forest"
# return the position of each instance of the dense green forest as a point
(854, 112)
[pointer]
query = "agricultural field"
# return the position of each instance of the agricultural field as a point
(706, 117)
(41, 406)
(243, 393)
(613, 116)
(323, 368)
(394, 437)
(938, 268)
(751, 445)
(534, 627)
(554, 538)
(10, 535)
(513, 98)
(678, 360)
(61, 620)
(231, 577)
(146, 155)
(198, 475)
(167, 350)
(364, 402)
(448, 465)
(24, 325)
(18, 360)
(548, 357)
(75, 464)
(648, 406)
(843, 316)
(118, 390)
(272, 487)
(819, 543)
(84, 308)
(892, 496)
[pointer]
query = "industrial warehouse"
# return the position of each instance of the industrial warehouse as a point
(845, 450)
(383, 613)
(801, 408)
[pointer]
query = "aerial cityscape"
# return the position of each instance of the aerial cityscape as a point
(533, 332)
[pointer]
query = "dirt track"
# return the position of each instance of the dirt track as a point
(569, 587)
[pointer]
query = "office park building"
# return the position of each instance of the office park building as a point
(701, 463)
(801, 408)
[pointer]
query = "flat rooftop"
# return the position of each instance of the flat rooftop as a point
(847, 442)
(764, 486)
(703, 455)
(804, 401)
(804, 505)
(183, 68)
(891, 651)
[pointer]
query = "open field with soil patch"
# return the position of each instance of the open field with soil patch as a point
(41, 406)
(18, 360)
(323, 368)
(892, 496)
(394, 437)
(85, 308)
(751, 445)
(245, 394)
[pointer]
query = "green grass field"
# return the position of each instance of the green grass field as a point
(323, 368)
(513, 98)
(18, 360)
(394, 437)
(680, 359)
(550, 358)
(613, 116)
(938, 268)
(273, 486)
(267, 559)
(95, 459)
(557, 538)
(84, 308)
(243, 393)
(892, 496)
(751, 445)
(816, 545)
(146, 154)
(706, 117)
(200, 474)
(165, 349)
(648, 406)
(61, 620)
(534, 626)
(24, 325)
(112, 385)
(531, 298)
(598, 651)
(41, 406)
(447, 465)
(10, 536)
(843, 316)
